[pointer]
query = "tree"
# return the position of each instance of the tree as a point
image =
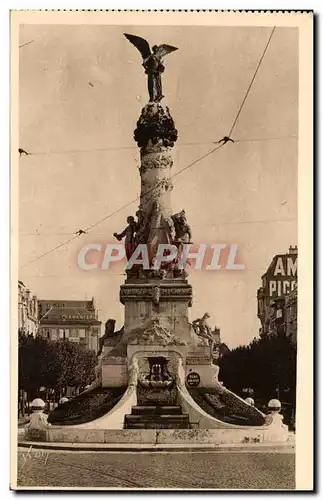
(53, 364)
(267, 365)
(31, 363)
(78, 364)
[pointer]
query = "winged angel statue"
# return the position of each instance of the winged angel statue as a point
(152, 62)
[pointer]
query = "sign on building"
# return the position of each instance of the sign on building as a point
(281, 277)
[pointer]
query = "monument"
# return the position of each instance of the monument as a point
(157, 372)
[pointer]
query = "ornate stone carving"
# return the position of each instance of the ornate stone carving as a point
(156, 295)
(38, 420)
(202, 327)
(162, 186)
(198, 360)
(155, 274)
(183, 292)
(142, 229)
(180, 273)
(35, 429)
(155, 126)
(158, 376)
(203, 331)
(277, 430)
(156, 334)
(145, 292)
(134, 372)
(169, 224)
(155, 160)
(180, 375)
(135, 293)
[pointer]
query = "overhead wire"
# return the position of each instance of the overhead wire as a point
(27, 43)
(213, 224)
(252, 80)
(50, 251)
(182, 144)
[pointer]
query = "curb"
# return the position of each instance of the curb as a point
(190, 448)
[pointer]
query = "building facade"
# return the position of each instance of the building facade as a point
(291, 315)
(277, 297)
(27, 310)
(70, 320)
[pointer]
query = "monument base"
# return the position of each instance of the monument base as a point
(159, 406)
(176, 437)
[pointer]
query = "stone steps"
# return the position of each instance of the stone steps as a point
(156, 410)
(156, 422)
(156, 417)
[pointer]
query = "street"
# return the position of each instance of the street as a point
(178, 470)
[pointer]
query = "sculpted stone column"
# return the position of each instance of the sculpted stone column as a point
(156, 294)
(155, 135)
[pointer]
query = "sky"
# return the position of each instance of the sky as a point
(81, 93)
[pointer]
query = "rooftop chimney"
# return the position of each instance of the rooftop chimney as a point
(293, 250)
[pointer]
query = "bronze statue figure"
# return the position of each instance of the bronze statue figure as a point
(129, 234)
(152, 62)
(183, 232)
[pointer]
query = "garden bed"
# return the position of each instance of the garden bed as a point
(225, 406)
(86, 407)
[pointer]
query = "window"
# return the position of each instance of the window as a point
(61, 333)
(82, 333)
